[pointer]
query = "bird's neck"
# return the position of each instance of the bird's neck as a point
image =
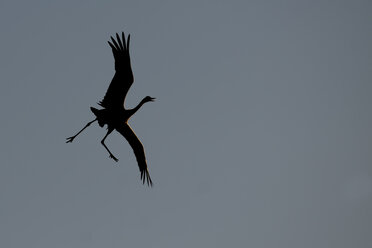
(134, 110)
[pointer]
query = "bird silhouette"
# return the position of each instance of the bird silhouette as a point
(114, 114)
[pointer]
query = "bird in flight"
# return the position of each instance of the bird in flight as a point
(114, 114)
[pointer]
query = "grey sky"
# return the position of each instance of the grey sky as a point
(260, 135)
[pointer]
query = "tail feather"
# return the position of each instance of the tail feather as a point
(98, 114)
(95, 111)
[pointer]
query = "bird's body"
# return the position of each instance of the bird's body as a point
(113, 114)
(111, 118)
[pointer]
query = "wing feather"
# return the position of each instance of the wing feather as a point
(123, 78)
(138, 150)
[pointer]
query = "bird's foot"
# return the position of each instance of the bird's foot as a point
(114, 158)
(70, 139)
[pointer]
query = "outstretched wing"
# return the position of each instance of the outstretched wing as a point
(138, 149)
(123, 78)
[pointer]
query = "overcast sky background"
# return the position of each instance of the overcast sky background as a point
(260, 135)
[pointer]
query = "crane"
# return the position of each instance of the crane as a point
(113, 113)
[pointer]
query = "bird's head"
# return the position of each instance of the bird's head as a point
(148, 99)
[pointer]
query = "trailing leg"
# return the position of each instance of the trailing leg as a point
(70, 139)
